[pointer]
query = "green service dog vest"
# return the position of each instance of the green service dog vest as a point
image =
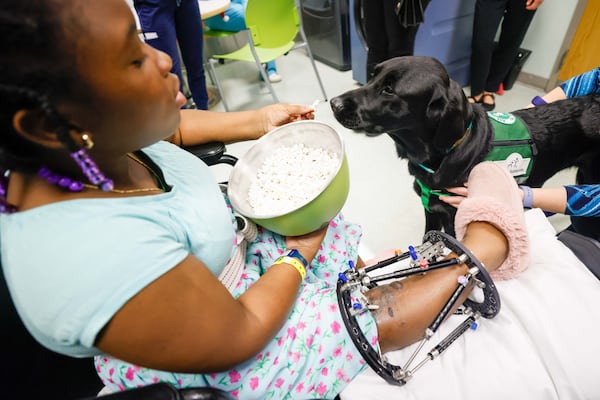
(512, 149)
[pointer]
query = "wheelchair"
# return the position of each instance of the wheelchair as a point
(30, 371)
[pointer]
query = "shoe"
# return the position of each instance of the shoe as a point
(500, 90)
(488, 106)
(494, 198)
(274, 77)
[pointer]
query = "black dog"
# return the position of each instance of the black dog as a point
(443, 136)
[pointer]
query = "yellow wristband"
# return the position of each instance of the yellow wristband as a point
(294, 262)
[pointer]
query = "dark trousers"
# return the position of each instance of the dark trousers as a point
(178, 25)
(386, 37)
(489, 65)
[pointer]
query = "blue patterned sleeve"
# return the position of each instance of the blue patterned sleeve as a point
(581, 85)
(583, 200)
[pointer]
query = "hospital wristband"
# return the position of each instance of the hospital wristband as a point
(294, 262)
(527, 196)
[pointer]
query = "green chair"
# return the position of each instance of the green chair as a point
(272, 30)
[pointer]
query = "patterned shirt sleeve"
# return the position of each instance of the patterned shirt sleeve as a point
(581, 85)
(583, 200)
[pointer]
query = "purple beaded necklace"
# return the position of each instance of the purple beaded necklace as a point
(55, 179)
(89, 169)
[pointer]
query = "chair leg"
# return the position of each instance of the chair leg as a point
(213, 77)
(265, 76)
(207, 69)
(312, 61)
(262, 70)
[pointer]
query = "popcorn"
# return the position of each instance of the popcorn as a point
(290, 177)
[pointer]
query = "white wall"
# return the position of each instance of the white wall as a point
(546, 34)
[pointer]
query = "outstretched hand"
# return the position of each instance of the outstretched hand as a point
(279, 114)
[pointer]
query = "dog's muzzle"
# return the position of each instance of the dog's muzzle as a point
(345, 112)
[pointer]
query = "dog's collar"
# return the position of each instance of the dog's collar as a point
(455, 145)
(462, 138)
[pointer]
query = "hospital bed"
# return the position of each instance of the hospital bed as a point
(542, 345)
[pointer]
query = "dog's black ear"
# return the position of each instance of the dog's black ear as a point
(446, 112)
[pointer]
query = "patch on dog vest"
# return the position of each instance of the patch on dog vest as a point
(513, 148)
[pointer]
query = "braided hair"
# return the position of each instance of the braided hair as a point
(37, 43)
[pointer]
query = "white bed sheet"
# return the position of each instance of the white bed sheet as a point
(544, 344)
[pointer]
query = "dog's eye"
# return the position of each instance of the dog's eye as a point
(387, 90)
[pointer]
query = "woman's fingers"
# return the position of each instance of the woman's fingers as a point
(459, 190)
(459, 194)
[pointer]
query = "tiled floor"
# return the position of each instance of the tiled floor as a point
(381, 197)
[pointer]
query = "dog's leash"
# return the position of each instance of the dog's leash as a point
(427, 192)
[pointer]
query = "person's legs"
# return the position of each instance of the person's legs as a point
(157, 16)
(401, 39)
(488, 14)
(272, 72)
(188, 24)
(514, 27)
(376, 37)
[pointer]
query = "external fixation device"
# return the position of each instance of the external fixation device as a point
(439, 250)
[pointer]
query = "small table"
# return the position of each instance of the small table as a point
(210, 8)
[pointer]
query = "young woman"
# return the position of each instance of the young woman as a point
(112, 238)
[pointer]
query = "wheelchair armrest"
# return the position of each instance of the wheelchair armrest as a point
(204, 394)
(212, 153)
(165, 391)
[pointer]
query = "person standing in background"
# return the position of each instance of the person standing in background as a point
(391, 28)
(489, 64)
(234, 20)
(168, 24)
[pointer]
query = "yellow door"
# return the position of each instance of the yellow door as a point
(584, 52)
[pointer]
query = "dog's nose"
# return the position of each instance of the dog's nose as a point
(336, 104)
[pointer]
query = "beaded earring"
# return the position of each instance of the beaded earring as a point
(89, 167)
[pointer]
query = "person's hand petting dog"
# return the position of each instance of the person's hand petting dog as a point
(460, 193)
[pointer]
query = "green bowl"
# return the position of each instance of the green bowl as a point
(316, 212)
